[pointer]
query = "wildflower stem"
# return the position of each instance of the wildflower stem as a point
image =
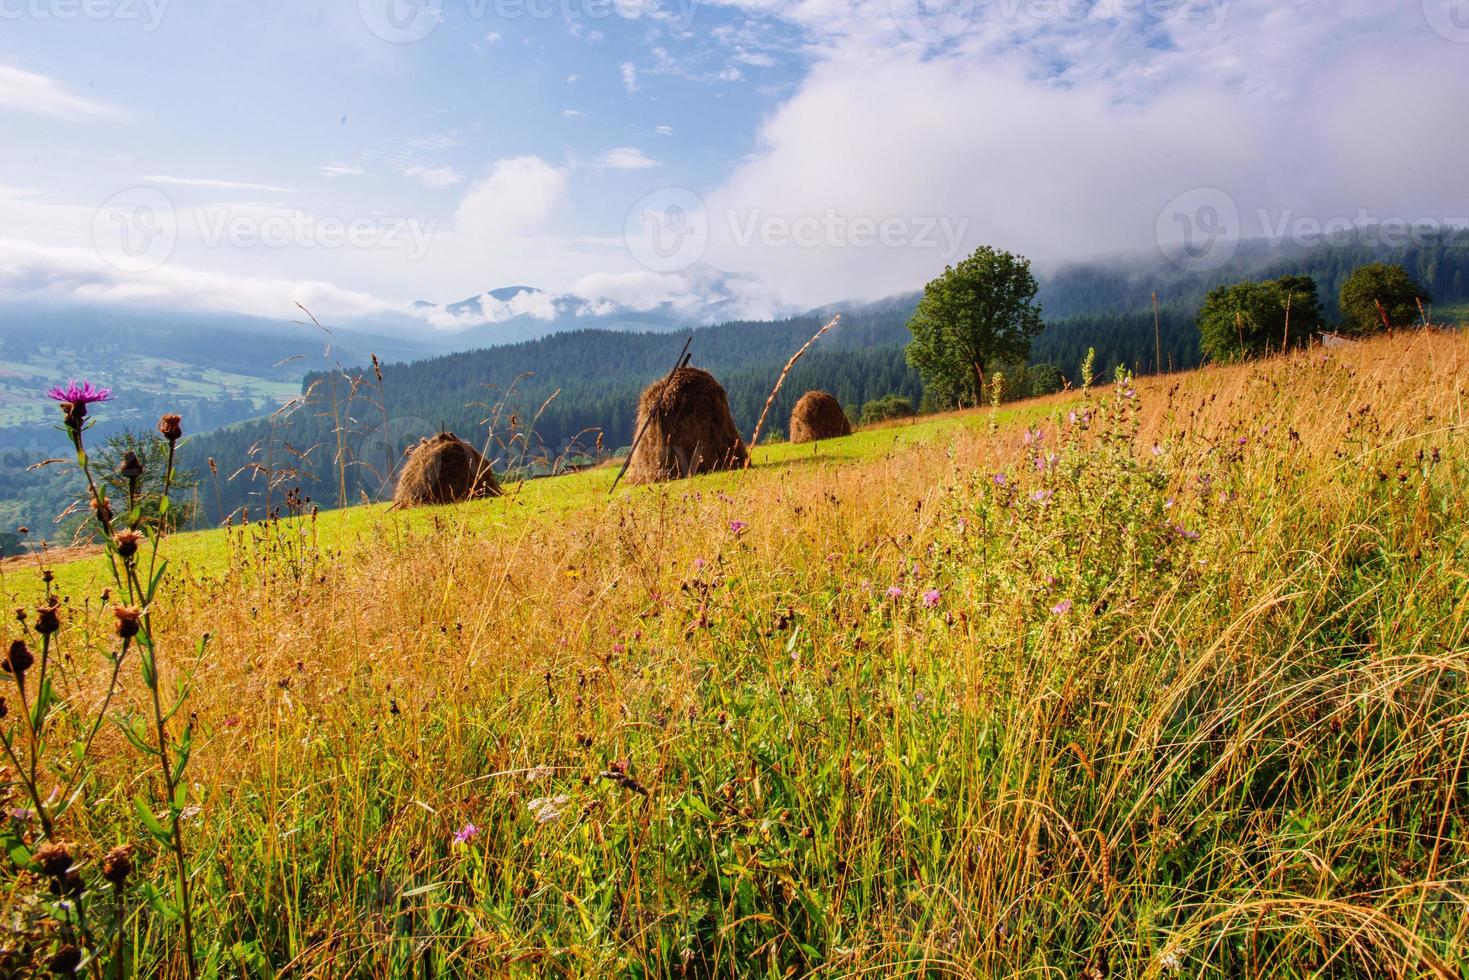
(30, 785)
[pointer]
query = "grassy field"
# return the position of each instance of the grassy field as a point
(1165, 678)
(585, 494)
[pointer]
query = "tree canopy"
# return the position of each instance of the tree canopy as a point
(979, 313)
(1381, 290)
(1248, 319)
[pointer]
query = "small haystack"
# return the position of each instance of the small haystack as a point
(818, 415)
(444, 470)
(689, 429)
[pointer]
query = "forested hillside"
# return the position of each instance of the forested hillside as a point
(598, 375)
(595, 376)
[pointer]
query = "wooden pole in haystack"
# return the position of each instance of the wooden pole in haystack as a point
(683, 360)
(755, 439)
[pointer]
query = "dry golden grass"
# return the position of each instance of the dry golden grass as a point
(1197, 710)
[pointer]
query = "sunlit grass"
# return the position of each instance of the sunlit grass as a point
(1175, 686)
(203, 553)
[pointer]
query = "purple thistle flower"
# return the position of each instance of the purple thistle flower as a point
(895, 592)
(1061, 608)
(79, 393)
(1041, 496)
(465, 834)
(738, 527)
(931, 598)
(1000, 479)
(699, 564)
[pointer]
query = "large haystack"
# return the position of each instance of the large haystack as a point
(818, 415)
(444, 470)
(689, 429)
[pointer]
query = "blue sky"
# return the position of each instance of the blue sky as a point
(780, 154)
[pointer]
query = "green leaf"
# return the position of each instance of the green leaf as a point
(150, 822)
(145, 658)
(157, 577)
(135, 738)
(45, 697)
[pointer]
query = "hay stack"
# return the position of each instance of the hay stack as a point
(444, 470)
(818, 415)
(689, 429)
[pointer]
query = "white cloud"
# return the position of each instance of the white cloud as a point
(435, 178)
(214, 184)
(514, 200)
(755, 59)
(37, 272)
(665, 130)
(341, 170)
(492, 37)
(629, 77)
(625, 158)
(1066, 137)
(571, 114)
(24, 91)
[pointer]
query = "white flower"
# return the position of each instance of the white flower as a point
(547, 808)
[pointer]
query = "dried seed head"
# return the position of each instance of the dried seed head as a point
(131, 466)
(48, 617)
(18, 660)
(128, 618)
(54, 858)
(171, 427)
(117, 864)
(103, 508)
(127, 543)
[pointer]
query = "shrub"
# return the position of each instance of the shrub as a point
(885, 408)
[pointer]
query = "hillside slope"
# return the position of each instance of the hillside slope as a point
(1164, 677)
